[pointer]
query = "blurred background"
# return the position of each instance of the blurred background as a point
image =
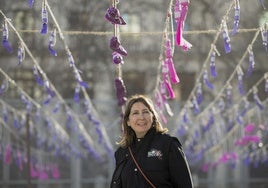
(59, 114)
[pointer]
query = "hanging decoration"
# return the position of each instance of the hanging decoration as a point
(180, 13)
(44, 15)
(52, 42)
(31, 3)
(21, 54)
(251, 62)
(226, 38)
(5, 35)
(236, 17)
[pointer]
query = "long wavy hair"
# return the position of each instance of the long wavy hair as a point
(128, 133)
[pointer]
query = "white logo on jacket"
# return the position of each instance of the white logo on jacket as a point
(155, 153)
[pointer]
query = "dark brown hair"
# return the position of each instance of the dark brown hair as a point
(128, 133)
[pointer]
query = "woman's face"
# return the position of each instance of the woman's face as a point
(140, 119)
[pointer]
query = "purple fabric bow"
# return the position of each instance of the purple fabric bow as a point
(113, 16)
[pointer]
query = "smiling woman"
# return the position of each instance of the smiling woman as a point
(157, 159)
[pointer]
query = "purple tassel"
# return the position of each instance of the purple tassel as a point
(251, 64)
(221, 105)
(226, 38)
(240, 81)
(21, 54)
(31, 3)
(38, 79)
(44, 18)
(52, 42)
(257, 99)
(5, 42)
(264, 38)
(206, 81)
(237, 17)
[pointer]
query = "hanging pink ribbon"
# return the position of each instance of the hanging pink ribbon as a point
(180, 12)
(172, 71)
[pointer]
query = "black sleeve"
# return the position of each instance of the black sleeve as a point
(180, 174)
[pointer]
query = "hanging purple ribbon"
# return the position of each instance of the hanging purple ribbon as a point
(49, 91)
(251, 63)
(221, 105)
(26, 102)
(245, 109)
(266, 84)
(56, 108)
(37, 76)
(69, 120)
(44, 16)
(79, 79)
(226, 38)
(3, 87)
(185, 116)
(236, 17)
(77, 93)
(264, 36)
(206, 81)
(195, 105)
(120, 91)
(240, 81)
(31, 3)
(52, 42)
(21, 54)
(16, 122)
(70, 58)
(5, 113)
(229, 95)
(199, 93)
(213, 71)
(5, 35)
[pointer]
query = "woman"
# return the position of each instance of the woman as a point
(159, 156)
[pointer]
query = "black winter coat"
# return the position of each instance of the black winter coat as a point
(161, 158)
